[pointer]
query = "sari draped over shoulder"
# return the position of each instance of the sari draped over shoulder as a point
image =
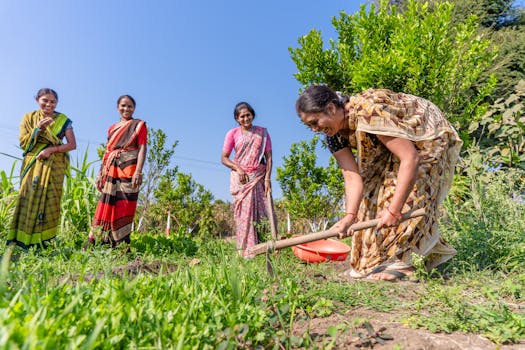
(37, 213)
(383, 112)
(118, 200)
(249, 206)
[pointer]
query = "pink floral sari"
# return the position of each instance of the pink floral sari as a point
(249, 199)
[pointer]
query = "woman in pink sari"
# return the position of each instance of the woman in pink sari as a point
(250, 177)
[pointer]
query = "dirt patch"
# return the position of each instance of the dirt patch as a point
(363, 328)
(369, 329)
(130, 270)
(138, 266)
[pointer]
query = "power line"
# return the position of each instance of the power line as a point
(98, 142)
(198, 160)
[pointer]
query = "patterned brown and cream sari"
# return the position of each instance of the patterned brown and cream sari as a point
(383, 112)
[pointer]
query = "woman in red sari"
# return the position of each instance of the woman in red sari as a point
(120, 175)
(250, 177)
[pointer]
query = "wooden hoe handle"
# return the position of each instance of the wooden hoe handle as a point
(289, 242)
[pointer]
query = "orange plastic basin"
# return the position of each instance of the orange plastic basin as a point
(322, 250)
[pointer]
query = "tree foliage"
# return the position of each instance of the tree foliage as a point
(503, 23)
(157, 162)
(187, 202)
(310, 192)
(494, 14)
(501, 131)
(416, 51)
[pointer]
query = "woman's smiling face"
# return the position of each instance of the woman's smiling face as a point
(330, 121)
(126, 107)
(321, 122)
(245, 118)
(47, 104)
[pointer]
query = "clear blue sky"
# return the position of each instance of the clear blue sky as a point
(187, 63)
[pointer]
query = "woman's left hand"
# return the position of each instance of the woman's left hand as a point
(386, 219)
(267, 187)
(343, 226)
(136, 180)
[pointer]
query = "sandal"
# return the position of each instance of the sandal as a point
(396, 274)
(351, 274)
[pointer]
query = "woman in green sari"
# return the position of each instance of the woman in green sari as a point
(37, 213)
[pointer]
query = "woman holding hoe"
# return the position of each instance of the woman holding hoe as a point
(406, 152)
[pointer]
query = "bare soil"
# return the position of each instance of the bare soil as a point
(381, 331)
(130, 270)
(363, 328)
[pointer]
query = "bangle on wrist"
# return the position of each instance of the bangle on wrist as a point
(397, 216)
(350, 213)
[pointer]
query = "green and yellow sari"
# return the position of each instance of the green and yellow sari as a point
(37, 213)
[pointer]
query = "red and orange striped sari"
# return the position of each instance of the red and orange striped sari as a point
(118, 200)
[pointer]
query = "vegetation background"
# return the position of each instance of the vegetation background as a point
(183, 286)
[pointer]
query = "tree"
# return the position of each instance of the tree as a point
(503, 23)
(501, 131)
(310, 192)
(417, 51)
(495, 14)
(158, 159)
(187, 202)
(224, 224)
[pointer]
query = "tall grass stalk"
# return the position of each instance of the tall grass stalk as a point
(79, 197)
(8, 195)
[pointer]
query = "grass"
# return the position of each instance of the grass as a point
(182, 292)
(64, 297)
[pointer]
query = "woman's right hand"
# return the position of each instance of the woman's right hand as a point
(42, 124)
(243, 176)
(99, 183)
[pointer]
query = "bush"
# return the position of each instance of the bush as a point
(485, 216)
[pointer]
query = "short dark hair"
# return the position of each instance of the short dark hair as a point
(241, 105)
(127, 96)
(45, 91)
(315, 99)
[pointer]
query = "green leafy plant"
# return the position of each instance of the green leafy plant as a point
(79, 197)
(187, 202)
(8, 196)
(311, 192)
(501, 130)
(485, 225)
(416, 50)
